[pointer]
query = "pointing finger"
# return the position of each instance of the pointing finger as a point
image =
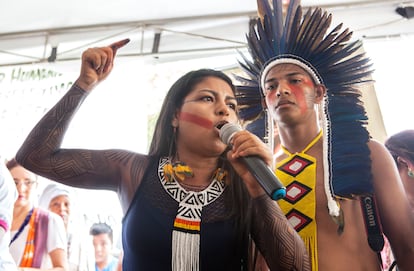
(114, 47)
(119, 44)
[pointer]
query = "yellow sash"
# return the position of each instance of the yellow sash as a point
(298, 173)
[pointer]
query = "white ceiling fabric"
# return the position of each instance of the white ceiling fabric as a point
(191, 30)
(29, 29)
(204, 33)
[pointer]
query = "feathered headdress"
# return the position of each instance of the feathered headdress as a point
(331, 59)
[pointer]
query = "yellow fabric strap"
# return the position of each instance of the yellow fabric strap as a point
(298, 173)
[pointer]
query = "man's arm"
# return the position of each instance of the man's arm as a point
(395, 214)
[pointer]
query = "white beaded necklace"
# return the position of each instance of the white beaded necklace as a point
(186, 229)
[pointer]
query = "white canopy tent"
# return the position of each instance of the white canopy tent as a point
(169, 30)
(48, 37)
(41, 43)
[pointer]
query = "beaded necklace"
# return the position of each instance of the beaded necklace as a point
(298, 173)
(186, 228)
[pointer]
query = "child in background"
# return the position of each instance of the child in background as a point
(103, 243)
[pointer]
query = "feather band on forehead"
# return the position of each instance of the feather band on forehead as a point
(330, 58)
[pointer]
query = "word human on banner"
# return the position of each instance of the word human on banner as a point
(26, 93)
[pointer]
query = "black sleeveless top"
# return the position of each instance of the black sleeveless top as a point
(148, 225)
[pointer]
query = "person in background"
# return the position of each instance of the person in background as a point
(8, 196)
(38, 236)
(58, 199)
(401, 147)
(191, 203)
(343, 191)
(103, 245)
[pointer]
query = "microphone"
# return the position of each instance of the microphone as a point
(263, 173)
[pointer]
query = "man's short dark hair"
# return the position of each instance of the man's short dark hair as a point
(101, 228)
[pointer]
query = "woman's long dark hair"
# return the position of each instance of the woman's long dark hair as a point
(163, 144)
(401, 144)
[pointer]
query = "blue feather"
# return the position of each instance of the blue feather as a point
(341, 68)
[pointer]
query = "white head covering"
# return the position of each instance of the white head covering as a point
(50, 192)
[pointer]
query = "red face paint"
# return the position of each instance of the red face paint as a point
(203, 122)
(300, 93)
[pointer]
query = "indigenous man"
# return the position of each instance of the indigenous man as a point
(342, 186)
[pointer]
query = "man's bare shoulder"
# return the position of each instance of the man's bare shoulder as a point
(376, 146)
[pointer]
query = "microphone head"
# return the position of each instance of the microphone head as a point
(227, 131)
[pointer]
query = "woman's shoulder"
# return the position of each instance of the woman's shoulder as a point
(132, 176)
(127, 160)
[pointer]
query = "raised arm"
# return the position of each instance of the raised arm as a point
(41, 152)
(99, 169)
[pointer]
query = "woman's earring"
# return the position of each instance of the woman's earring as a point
(177, 169)
(172, 143)
(402, 161)
(410, 173)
